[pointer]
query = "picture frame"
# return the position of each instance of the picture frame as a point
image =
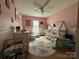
(7, 3)
(17, 15)
(0, 9)
(12, 20)
(12, 1)
(27, 22)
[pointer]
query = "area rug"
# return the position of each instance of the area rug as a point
(41, 47)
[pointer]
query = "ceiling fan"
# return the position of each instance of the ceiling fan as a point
(40, 6)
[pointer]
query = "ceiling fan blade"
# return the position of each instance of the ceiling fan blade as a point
(49, 7)
(36, 4)
(45, 3)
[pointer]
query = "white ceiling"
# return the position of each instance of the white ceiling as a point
(27, 7)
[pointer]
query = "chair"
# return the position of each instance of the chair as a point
(69, 41)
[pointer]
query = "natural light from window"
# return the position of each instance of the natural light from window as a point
(35, 27)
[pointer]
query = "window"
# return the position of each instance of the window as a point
(35, 29)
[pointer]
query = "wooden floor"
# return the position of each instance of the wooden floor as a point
(60, 54)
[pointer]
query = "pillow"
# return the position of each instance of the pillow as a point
(18, 40)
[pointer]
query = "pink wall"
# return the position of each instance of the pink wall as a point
(6, 15)
(69, 15)
(5, 20)
(31, 18)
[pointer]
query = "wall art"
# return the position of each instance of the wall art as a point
(0, 9)
(12, 2)
(7, 3)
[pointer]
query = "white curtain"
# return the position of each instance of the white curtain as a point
(35, 29)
